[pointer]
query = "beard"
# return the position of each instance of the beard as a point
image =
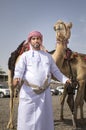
(36, 46)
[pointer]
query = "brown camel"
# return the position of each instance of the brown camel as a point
(70, 62)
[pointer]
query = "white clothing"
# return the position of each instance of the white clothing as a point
(35, 110)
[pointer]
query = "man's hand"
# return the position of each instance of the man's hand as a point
(68, 81)
(16, 81)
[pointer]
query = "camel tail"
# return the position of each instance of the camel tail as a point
(85, 93)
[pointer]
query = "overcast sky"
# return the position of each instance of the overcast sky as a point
(19, 17)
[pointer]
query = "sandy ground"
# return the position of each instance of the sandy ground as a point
(59, 125)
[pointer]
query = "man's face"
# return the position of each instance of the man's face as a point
(35, 42)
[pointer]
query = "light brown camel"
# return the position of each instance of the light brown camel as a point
(78, 67)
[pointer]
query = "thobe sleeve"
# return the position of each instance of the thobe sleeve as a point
(20, 68)
(57, 73)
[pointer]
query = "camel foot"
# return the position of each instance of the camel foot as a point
(10, 126)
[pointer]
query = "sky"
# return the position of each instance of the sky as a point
(19, 17)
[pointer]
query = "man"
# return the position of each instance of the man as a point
(35, 68)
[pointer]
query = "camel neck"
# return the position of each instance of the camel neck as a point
(59, 54)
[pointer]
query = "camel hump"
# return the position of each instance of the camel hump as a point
(14, 55)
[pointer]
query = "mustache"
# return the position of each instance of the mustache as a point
(37, 45)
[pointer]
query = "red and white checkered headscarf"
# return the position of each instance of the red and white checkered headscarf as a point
(35, 33)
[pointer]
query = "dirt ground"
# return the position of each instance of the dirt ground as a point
(59, 125)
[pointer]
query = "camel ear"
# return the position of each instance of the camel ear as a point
(69, 25)
(54, 28)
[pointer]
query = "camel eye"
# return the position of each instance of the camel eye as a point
(60, 28)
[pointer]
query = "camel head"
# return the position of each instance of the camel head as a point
(63, 31)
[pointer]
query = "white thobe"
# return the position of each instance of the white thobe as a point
(35, 110)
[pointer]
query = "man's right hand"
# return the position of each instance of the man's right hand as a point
(16, 81)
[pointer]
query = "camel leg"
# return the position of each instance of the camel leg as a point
(62, 100)
(81, 110)
(10, 123)
(79, 101)
(82, 99)
(70, 101)
(62, 107)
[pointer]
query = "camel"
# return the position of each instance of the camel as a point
(70, 62)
